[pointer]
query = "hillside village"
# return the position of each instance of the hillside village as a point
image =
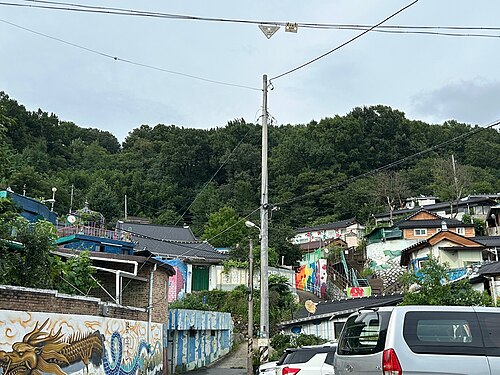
(344, 266)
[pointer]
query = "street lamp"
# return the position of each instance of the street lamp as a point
(54, 189)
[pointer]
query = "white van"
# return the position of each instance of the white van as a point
(420, 340)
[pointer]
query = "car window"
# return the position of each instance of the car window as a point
(364, 333)
(329, 358)
(433, 332)
(299, 356)
(490, 326)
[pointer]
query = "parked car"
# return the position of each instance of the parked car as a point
(268, 368)
(307, 360)
(420, 340)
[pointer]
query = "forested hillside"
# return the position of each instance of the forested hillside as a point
(163, 168)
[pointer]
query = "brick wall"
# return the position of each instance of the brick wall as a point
(42, 300)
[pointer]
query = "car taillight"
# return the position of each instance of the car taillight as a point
(290, 371)
(390, 363)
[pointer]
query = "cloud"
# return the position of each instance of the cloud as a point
(474, 101)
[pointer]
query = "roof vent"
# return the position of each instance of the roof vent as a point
(444, 226)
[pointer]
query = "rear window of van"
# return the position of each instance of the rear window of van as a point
(431, 332)
(364, 333)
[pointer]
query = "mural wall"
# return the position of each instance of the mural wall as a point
(198, 337)
(45, 343)
(312, 277)
(177, 284)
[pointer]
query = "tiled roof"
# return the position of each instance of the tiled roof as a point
(328, 309)
(431, 223)
(489, 241)
(440, 206)
(173, 233)
(170, 242)
(196, 252)
(334, 225)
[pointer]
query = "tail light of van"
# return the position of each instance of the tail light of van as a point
(289, 371)
(390, 363)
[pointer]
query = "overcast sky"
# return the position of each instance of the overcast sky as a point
(431, 78)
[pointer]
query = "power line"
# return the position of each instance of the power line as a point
(213, 176)
(311, 25)
(345, 43)
(116, 58)
(388, 166)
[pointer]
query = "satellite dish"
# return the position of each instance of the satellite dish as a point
(71, 219)
(310, 306)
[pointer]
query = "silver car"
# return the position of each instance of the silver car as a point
(420, 340)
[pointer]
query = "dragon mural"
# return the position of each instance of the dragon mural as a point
(47, 352)
(43, 351)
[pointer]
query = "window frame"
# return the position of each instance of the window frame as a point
(423, 234)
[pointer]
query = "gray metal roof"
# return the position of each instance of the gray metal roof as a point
(328, 309)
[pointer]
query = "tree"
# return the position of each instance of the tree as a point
(451, 180)
(74, 276)
(391, 188)
(29, 266)
(225, 229)
(432, 286)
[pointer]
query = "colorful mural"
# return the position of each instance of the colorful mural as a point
(42, 343)
(359, 291)
(312, 277)
(199, 337)
(177, 284)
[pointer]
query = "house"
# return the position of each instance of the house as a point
(350, 231)
(326, 319)
(31, 209)
(384, 245)
(129, 280)
(476, 206)
(195, 261)
(447, 246)
(492, 247)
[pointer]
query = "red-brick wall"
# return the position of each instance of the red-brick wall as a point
(42, 300)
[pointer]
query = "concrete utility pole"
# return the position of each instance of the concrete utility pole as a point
(250, 311)
(264, 244)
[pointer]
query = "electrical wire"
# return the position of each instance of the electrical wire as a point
(388, 166)
(213, 176)
(116, 58)
(345, 43)
(133, 12)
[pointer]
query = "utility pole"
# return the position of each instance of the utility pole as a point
(250, 311)
(125, 207)
(264, 244)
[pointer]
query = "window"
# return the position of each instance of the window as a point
(490, 325)
(420, 232)
(364, 333)
(461, 231)
(433, 332)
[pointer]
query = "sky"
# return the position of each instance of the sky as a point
(428, 77)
